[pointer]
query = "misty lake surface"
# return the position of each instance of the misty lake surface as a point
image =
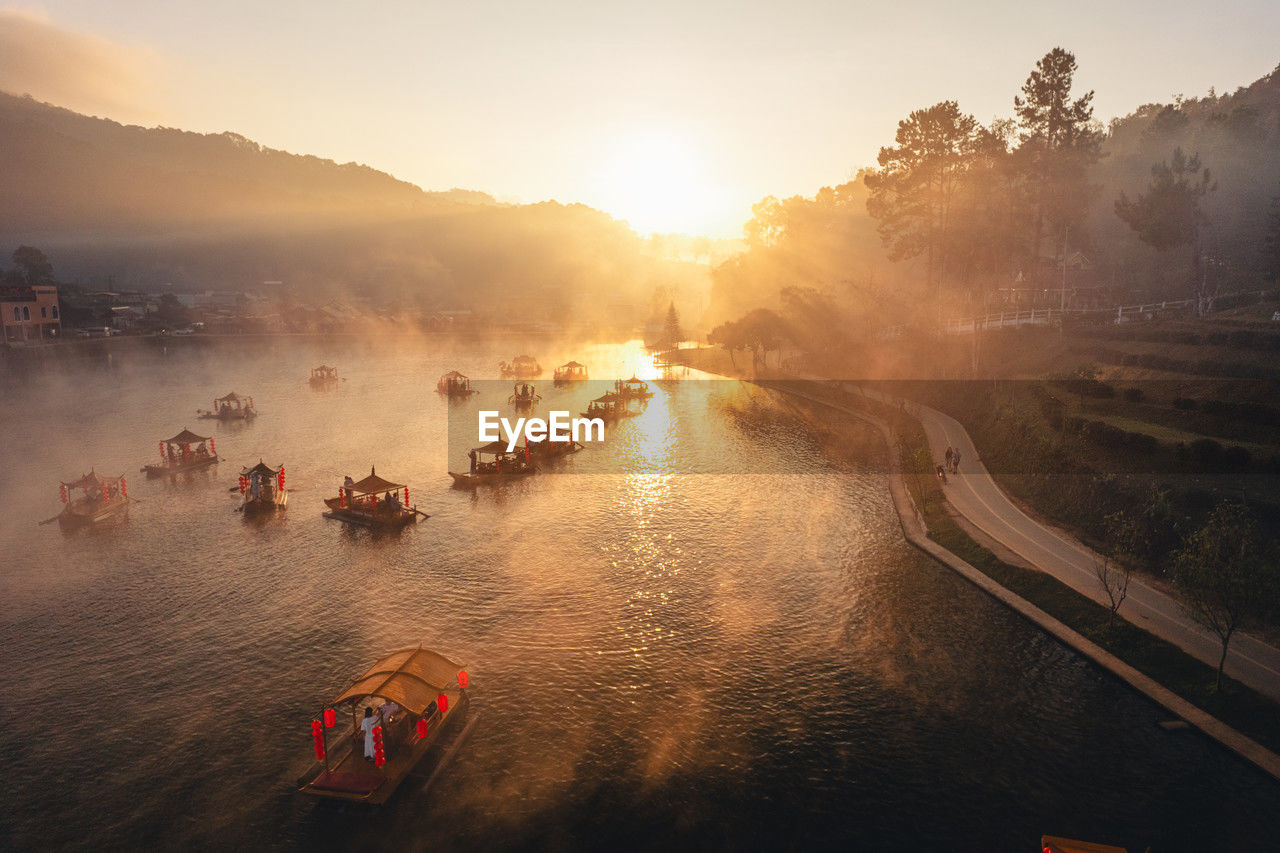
(707, 631)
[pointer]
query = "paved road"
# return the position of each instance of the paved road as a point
(976, 496)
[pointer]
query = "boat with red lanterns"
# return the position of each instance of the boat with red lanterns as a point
(373, 502)
(570, 372)
(612, 407)
(262, 488)
(523, 396)
(454, 384)
(493, 463)
(102, 500)
(632, 389)
(521, 367)
(398, 709)
(323, 376)
(185, 452)
(233, 407)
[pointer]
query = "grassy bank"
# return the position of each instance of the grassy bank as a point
(1238, 706)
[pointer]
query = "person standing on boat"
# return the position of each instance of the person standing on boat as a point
(368, 724)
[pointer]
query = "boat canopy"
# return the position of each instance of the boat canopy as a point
(453, 374)
(412, 678)
(525, 359)
(233, 397)
(497, 448)
(610, 399)
(92, 480)
(319, 372)
(186, 437)
(373, 484)
(572, 365)
(261, 468)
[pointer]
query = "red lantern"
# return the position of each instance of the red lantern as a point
(212, 449)
(406, 495)
(442, 702)
(242, 484)
(317, 739)
(280, 479)
(62, 492)
(162, 456)
(330, 718)
(422, 729)
(463, 679)
(106, 493)
(342, 496)
(124, 488)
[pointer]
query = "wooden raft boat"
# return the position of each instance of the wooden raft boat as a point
(522, 367)
(323, 376)
(262, 488)
(102, 501)
(373, 502)
(570, 372)
(492, 464)
(409, 698)
(233, 407)
(177, 455)
(454, 384)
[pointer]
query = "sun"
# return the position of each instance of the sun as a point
(658, 182)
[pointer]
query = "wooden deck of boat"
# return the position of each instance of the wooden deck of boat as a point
(153, 471)
(346, 751)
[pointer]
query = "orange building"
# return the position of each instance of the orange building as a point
(30, 313)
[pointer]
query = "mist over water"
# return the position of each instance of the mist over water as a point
(672, 650)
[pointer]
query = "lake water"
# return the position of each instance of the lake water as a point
(706, 631)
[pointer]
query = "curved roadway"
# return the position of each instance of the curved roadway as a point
(975, 495)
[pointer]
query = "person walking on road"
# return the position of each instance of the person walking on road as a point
(949, 454)
(955, 462)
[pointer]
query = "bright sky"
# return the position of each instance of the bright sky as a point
(676, 116)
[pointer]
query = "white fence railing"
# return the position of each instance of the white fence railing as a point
(1050, 316)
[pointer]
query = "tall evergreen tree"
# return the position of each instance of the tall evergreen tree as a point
(1061, 141)
(1170, 214)
(671, 328)
(913, 190)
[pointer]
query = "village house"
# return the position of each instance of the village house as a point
(30, 313)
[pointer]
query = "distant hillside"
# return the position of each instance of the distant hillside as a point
(149, 207)
(68, 171)
(1237, 136)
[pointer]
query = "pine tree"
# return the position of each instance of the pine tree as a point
(673, 333)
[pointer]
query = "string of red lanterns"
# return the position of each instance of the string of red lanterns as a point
(317, 739)
(379, 755)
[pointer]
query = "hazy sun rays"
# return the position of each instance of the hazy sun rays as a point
(659, 181)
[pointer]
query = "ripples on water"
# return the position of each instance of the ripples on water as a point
(747, 656)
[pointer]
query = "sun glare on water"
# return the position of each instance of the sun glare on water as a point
(659, 183)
